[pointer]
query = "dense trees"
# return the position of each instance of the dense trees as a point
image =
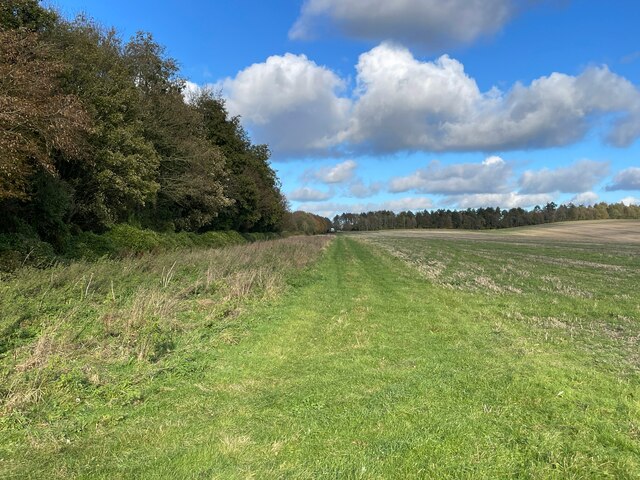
(95, 131)
(37, 119)
(482, 218)
(251, 182)
(307, 223)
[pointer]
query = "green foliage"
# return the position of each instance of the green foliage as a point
(19, 250)
(26, 14)
(51, 202)
(257, 202)
(126, 240)
(90, 246)
(191, 168)
(260, 236)
(117, 175)
(98, 135)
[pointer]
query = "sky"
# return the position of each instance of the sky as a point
(417, 104)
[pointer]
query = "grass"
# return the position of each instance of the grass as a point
(391, 357)
(103, 331)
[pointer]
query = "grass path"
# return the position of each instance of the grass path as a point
(365, 370)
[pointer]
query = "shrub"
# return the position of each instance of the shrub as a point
(122, 240)
(17, 250)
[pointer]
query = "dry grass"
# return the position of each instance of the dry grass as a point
(56, 322)
(582, 291)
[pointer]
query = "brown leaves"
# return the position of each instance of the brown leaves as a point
(36, 117)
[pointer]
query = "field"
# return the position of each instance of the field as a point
(398, 354)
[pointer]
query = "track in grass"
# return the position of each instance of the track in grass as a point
(367, 369)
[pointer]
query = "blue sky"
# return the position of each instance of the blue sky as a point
(417, 104)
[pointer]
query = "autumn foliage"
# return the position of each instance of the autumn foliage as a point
(95, 132)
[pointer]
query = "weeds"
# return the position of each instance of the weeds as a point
(123, 315)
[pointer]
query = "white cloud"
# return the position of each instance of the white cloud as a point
(630, 201)
(330, 209)
(404, 103)
(289, 102)
(585, 198)
(627, 179)
(401, 103)
(579, 177)
(190, 91)
(340, 173)
(361, 190)
(502, 200)
(490, 176)
(403, 204)
(306, 194)
(431, 23)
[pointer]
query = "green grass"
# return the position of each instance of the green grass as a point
(390, 358)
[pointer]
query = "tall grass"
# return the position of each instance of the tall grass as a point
(20, 250)
(86, 327)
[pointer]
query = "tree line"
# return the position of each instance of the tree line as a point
(482, 218)
(95, 132)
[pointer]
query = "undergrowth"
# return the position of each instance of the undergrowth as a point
(18, 250)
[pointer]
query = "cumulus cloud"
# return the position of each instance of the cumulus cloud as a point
(579, 177)
(490, 176)
(340, 173)
(400, 103)
(359, 189)
(585, 198)
(630, 201)
(289, 102)
(430, 23)
(330, 209)
(404, 103)
(628, 179)
(306, 194)
(502, 200)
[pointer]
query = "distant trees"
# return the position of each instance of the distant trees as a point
(481, 218)
(95, 131)
(307, 223)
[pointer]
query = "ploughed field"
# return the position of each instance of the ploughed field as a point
(408, 354)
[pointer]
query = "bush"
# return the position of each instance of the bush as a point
(90, 246)
(261, 236)
(122, 240)
(127, 239)
(17, 250)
